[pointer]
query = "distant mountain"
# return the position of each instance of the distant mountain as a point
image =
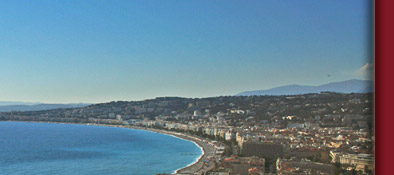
(21, 106)
(8, 103)
(349, 86)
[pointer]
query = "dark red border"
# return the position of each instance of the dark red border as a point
(384, 99)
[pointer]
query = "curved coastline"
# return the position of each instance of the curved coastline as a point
(181, 136)
(190, 168)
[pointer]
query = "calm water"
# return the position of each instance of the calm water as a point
(47, 149)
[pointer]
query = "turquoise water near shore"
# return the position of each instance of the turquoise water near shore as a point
(47, 149)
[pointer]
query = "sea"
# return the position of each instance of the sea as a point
(65, 149)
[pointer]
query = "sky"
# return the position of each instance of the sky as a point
(92, 51)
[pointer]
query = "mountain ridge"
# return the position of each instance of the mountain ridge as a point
(27, 106)
(348, 86)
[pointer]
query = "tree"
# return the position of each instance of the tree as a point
(367, 170)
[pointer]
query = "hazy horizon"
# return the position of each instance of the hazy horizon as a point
(10, 103)
(100, 51)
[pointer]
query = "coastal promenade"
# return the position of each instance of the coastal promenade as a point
(204, 163)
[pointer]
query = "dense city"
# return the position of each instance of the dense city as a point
(323, 133)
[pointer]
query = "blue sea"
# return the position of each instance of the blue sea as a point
(49, 149)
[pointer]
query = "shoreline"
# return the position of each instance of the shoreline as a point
(191, 168)
(179, 136)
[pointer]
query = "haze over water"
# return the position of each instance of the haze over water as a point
(43, 148)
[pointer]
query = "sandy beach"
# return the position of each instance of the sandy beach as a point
(195, 168)
(198, 166)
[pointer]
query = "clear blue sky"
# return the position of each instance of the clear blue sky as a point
(97, 51)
